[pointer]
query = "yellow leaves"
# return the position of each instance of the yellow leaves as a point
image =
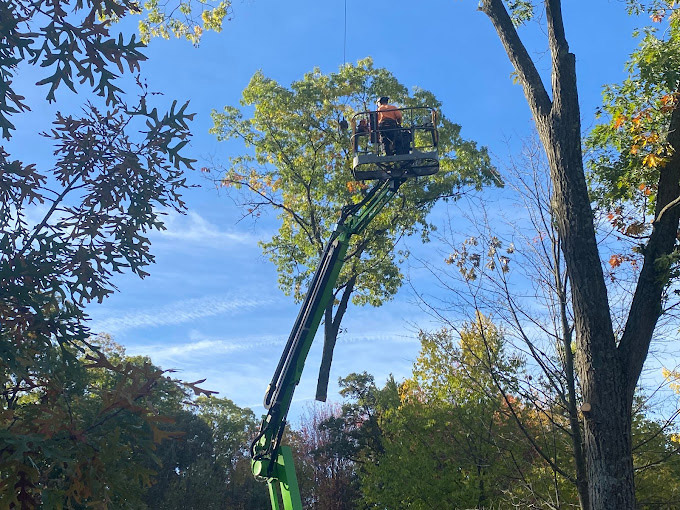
(673, 378)
(652, 138)
(653, 161)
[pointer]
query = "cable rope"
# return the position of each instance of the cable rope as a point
(344, 40)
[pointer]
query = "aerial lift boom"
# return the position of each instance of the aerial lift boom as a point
(271, 461)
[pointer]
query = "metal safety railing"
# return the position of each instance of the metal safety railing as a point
(389, 149)
(418, 131)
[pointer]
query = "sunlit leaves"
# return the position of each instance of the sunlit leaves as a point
(450, 422)
(297, 163)
(188, 20)
(631, 148)
(520, 11)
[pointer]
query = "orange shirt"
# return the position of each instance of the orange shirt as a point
(387, 111)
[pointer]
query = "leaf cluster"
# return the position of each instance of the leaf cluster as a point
(631, 147)
(72, 42)
(69, 46)
(76, 425)
(520, 11)
(186, 20)
(297, 162)
(83, 432)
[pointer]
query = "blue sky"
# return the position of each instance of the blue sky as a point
(211, 307)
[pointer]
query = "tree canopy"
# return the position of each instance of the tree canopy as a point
(77, 422)
(296, 161)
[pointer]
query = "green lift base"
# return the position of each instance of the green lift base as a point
(285, 487)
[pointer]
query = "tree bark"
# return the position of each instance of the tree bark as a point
(331, 329)
(607, 374)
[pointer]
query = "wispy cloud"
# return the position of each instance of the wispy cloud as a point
(200, 345)
(177, 313)
(196, 230)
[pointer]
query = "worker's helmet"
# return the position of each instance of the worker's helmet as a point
(384, 100)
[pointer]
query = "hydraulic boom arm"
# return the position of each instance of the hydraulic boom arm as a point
(271, 461)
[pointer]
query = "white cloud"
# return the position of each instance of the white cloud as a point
(200, 345)
(193, 228)
(177, 313)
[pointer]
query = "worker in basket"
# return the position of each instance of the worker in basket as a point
(389, 126)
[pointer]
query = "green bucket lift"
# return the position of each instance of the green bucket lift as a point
(271, 461)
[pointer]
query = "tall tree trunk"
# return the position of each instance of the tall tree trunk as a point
(607, 423)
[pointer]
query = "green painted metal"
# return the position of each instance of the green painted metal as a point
(284, 486)
(271, 461)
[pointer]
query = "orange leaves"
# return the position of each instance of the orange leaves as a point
(658, 16)
(669, 102)
(647, 143)
(617, 259)
(355, 186)
(626, 224)
(619, 120)
(669, 99)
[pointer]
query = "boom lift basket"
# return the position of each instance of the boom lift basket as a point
(413, 154)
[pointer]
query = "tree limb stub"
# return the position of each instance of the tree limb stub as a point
(331, 330)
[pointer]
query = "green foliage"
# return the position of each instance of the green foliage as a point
(105, 195)
(231, 425)
(447, 437)
(232, 429)
(520, 11)
(188, 20)
(78, 423)
(449, 441)
(324, 458)
(187, 475)
(297, 162)
(84, 434)
(657, 462)
(72, 42)
(631, 147)
(45, 33)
